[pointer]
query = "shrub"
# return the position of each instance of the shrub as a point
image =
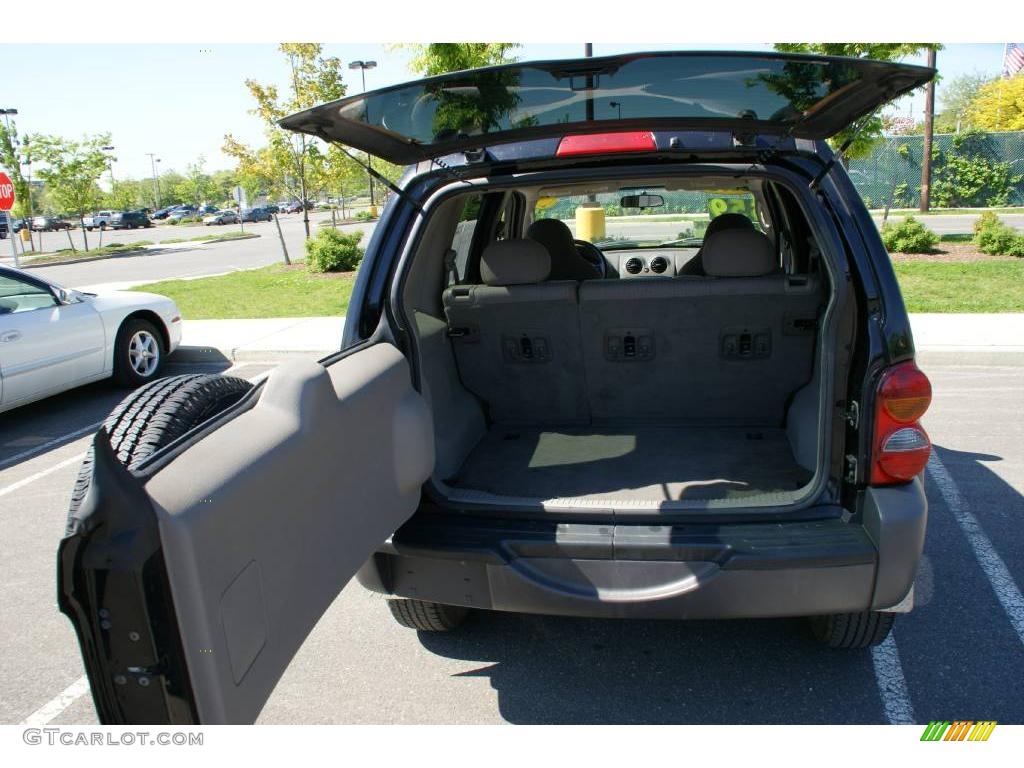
(364, 216)
(333, 251)
(909, 236)
(987, 219)
(993, 237)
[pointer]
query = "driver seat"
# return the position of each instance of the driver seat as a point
(566, 262)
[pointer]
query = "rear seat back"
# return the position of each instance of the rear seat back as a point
(729, 348)
(517, 338)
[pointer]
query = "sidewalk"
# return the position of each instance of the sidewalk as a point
(278, 338)
(939, 336)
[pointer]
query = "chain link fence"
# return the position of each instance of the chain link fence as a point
(968, 169)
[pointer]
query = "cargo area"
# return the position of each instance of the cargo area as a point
(644, 463)
(684, 376)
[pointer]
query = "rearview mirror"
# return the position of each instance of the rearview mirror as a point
(641, 201)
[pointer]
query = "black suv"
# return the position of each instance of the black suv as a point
(544, 402)
(130, 220)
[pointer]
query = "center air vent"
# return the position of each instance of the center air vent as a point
(659, 264)
(634, 265)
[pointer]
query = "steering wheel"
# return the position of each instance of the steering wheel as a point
(591, 254)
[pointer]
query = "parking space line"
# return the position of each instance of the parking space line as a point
(41, 448)
(892, 685)
(58, 704)
(1006, 589)
(39, 475)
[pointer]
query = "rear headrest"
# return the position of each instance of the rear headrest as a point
(738, 253)
(515, 262)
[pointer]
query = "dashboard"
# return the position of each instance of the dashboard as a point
(647, 262)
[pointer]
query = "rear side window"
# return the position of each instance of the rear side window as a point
(462, 243)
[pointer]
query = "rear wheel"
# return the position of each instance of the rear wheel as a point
(158, 413)
(426, 616)
(852, 630)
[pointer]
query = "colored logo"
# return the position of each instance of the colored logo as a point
(958, 730)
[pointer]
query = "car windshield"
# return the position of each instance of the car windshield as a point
(680, 221)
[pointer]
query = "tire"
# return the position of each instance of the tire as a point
(426, 616)
(852, 630)
(157, 414)
(138, 353)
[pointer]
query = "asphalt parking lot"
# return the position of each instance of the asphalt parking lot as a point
(955, 657)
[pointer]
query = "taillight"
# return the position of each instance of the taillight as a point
(606, 143)
(901, 446)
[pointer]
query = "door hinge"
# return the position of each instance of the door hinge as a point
(851, 468)
(852, 413)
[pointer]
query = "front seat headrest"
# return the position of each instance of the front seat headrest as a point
(738, 253)
(728, 221)
(566, 262)
(515, 262)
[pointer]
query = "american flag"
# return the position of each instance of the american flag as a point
(1013, 59)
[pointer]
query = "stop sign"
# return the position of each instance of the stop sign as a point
(6, 192)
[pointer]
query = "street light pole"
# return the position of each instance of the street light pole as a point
(156, 181)
(362, 66)
(31, 204)
(110, 166)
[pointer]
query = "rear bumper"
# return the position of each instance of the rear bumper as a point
(678, 572)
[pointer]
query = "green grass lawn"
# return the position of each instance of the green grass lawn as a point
(280, 291)
(274, 291)
(976, 286)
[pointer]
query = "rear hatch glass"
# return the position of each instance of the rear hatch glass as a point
(803, 96)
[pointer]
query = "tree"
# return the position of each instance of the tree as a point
(170, 180)
(196, 187)
(999, 105)
(12, 153)
(956, 97)
(294, 159)
(871, 126)
(71, 172)
(124, 195)
(438, 58)
(224, 183)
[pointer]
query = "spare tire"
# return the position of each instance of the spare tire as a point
(158, 414)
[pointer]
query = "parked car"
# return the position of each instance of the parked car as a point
(5, 224)
(162, 213)
(296, 207)
(55, 338)
(271, 208)
(180, 213)
(130, 220)
(99, 220)
(206, 209)
(523, 420)
(221, 217)
(256, 214)
(49, 224)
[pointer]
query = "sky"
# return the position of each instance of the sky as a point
(179, 100)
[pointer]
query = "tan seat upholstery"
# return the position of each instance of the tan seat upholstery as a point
(516, 338)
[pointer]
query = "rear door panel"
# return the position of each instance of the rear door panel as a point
(265, 519)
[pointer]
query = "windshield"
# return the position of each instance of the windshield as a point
(680, 221)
